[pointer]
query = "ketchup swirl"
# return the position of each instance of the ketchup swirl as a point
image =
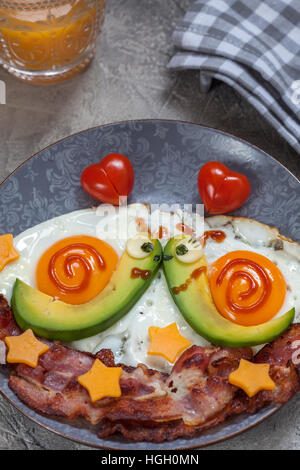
(75, 253)
(253, 285)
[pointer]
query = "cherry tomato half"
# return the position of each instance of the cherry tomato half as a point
(109, 179)
(221, 189)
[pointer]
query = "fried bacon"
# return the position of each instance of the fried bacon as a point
(284, 359)
(153, 406)
(8, 326)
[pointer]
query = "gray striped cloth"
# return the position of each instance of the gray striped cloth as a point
(252, 45)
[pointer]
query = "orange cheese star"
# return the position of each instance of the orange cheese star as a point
(101, 381)
(252, 377)
(7, 251)
(25, 349)
(167, 342)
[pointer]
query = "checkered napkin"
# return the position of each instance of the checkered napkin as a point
(254, 46)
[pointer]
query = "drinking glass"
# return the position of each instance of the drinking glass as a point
(48, 41)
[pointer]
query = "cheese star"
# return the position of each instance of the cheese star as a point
(25, 349)
(167, 342)
(101, 381)
(252, 377)
(7, 251)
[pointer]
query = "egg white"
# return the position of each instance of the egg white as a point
(128, 338)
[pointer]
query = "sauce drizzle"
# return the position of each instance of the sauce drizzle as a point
(195, 274)
(161, 233)
(75, 253)
(253, 285)
(185, 228)
(140, 273)
(215, 235)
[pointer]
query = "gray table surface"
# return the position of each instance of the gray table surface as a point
(128, 79)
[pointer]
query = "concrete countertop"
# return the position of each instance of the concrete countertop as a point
(128, 79)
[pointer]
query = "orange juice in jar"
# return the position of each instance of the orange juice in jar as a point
(48, 41)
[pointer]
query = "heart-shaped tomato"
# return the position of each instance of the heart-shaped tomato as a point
(108, 180)
(221, 189)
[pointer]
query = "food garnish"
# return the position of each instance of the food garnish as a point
(252, 378)
(161, 233)
(142, 273)
(189, 250)
(193, 276)
(140, 246)
(147, 247)
(142, 225)
(167, 342)
(101, 381)
(110, 179)
(215, 235)
(185, 229)
(7, 251)
(25, 349)
(181, 250)
(247, 288)
(221, 189)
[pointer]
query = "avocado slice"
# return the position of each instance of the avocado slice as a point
(197, 306)
(57, 320)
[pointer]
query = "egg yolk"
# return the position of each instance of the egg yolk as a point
(76, 269)
(247, 288)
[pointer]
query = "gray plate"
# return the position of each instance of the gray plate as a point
(166, 156)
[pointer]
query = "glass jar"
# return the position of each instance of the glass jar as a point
(48, 41)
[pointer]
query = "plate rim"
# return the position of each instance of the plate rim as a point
(272, 411)
(275, 408)
(148, 120)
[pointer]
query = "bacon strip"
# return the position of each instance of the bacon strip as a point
(284, 370)
(153, 406)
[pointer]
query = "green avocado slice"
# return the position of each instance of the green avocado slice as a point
(57, 320)
(197, 306)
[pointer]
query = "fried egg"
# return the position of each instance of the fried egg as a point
(244, 234)
(129, 338)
